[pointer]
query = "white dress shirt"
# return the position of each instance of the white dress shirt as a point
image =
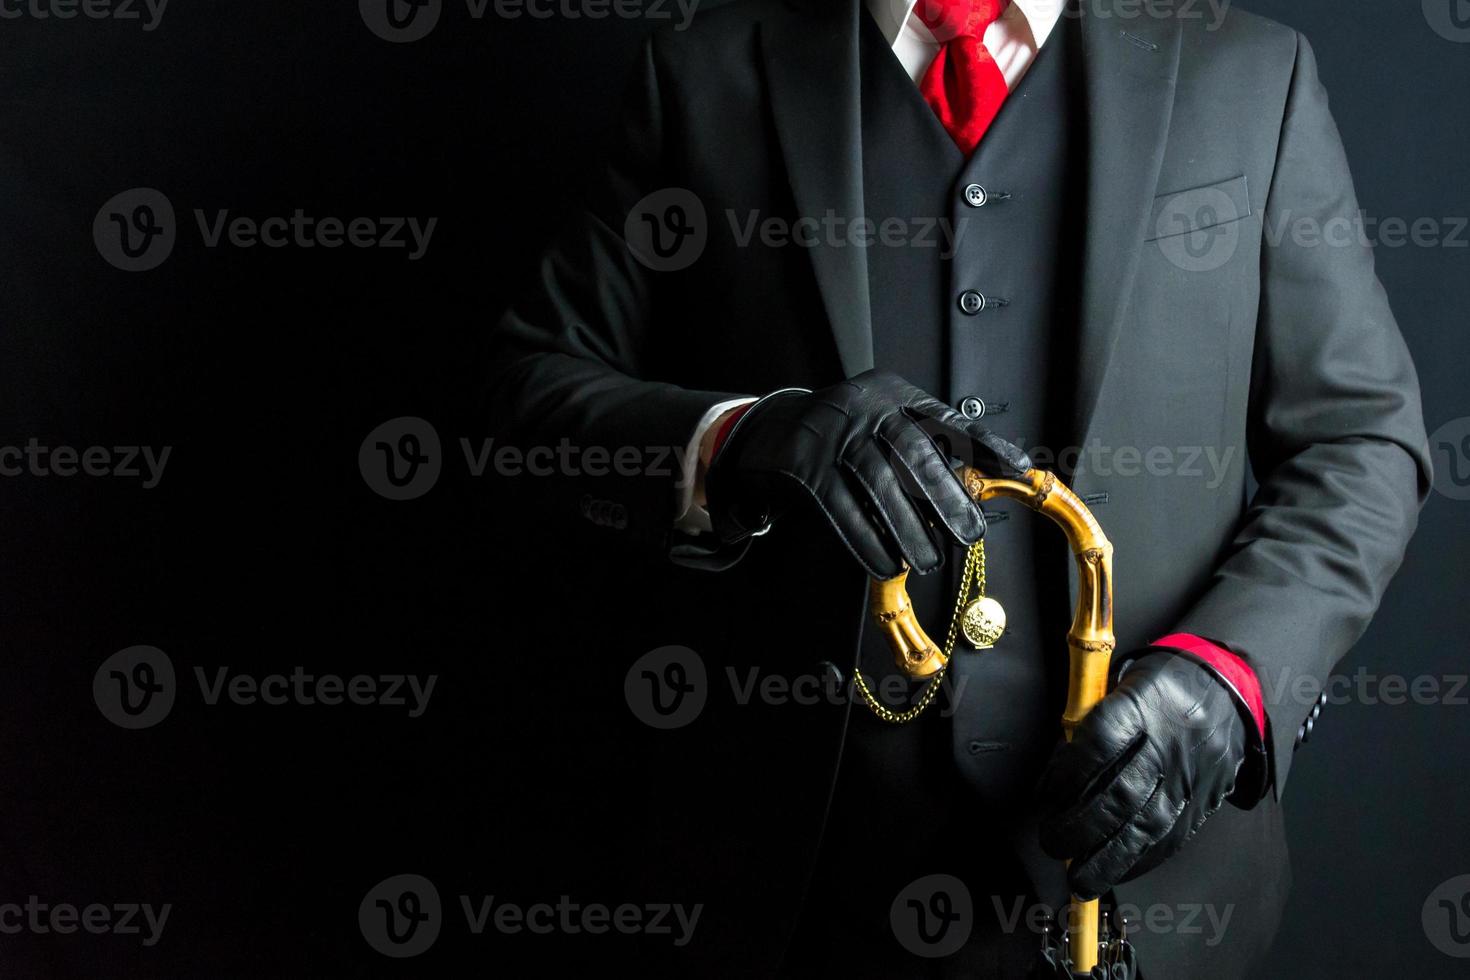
(1013, 41)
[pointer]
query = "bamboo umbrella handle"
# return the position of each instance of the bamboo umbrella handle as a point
(1090, 640)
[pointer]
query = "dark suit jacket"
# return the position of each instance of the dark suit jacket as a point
(1211, 324)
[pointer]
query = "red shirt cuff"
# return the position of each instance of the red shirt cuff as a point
(1236, 671)
(725, 427)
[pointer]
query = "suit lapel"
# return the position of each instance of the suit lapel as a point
(1131, 64)
(811, 60)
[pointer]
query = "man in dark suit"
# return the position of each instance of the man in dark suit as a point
(1059, 226)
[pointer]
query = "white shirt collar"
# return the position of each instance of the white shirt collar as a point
(895, 17)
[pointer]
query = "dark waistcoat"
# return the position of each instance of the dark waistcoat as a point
(1001, 225)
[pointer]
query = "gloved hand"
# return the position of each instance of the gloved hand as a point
(1146, 767)
(872, 455)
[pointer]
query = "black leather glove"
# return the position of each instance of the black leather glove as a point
(1144, 770)
(873, 455)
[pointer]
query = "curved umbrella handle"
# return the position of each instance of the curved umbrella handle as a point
(1090, 640)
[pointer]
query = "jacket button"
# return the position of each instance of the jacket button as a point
(971, 302)
(976, 196)
(972, 408)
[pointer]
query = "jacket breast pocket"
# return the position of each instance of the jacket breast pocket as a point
(1198, 209)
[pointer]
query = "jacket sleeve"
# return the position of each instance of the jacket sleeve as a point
(1335, 436)
(569, 362)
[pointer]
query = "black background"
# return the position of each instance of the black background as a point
(262, 548)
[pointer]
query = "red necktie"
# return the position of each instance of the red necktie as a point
(963, 85)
